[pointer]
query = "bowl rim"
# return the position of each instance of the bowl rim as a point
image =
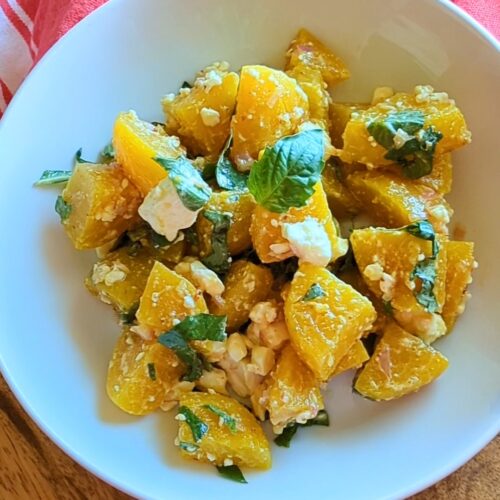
(411, 489)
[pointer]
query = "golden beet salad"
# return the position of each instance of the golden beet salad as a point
(219, 245)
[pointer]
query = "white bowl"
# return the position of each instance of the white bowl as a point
(56, 339)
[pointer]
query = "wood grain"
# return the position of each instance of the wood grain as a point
(32, 467)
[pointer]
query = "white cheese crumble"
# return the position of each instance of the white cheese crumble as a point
(203, 278)
(426, 94)
(401, 138)
(164, 211)
(210, 117)
(308, 241)
(381, 94)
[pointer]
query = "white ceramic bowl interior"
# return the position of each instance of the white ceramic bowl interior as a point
(56, 339)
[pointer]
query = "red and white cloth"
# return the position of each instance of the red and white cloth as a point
(28, 28)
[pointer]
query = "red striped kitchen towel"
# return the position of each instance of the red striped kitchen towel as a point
(28, 28)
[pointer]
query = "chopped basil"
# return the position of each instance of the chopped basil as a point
(208, 172)
(186, 85)
(227, 176)
(425, 271)
(175, 341)
(232, 472)
(152, 371)
(147, 233)
(78, 157)
(197, 426)
(314, 292)
(289, 431)
(193, 191)
(128, 317)
(286, 174)
(424, 230)
(283, 271)
(108, 153)
(225, 418)
(189, 447)
(416, 154)
(218, 259)
(63, 208)
(52, 177)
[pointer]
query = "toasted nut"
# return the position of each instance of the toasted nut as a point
(236, 347)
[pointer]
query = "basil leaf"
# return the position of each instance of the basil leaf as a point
(314, 292)
(203, 327)
(231, 472)
(197, 426)
(283, 271)
(226, 419)
(128, 317)
(423, 229)
(78, 157)
(227, 176)
(189, 447)
(186, 85)
(208, 172)
(193, 191)
(146, 232)
(63, 208)
(289, 431)
(286, 174)
(52, 177)
(175, 341)
(384, 129)
(425, 271)
(218, 259)
(108, 153)
(151, 371)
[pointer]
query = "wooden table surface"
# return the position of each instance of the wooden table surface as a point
(32, 467)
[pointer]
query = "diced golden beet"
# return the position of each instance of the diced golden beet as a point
(354, 358)
(394, 201)
(460, 263)
(290, 393)
(308, 50)
(103, 204)
(201, 116)
(312, 83)
(140, 374)
(323, 330)
(441, 177)
(340, 114)
(245, 285)
(443, 116)
(168, 297)
(137, 143)
(240, 206)
(341, 200)
(269, 106)
(266, 228)
(245, 446)
(401, 364)
(120, 278)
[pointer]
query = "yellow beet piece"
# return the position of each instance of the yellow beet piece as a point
(460, 258)
(140, 374)
(354, 358)
(245, 446)
(240, 205)
(168, 297)
(308, 50)
(340, 114)
(201, 116)
(290, 393)
(401, 364)
(266, 227)
(323, 330)
(102, 204)
(136, 144)
(245, 285)
(443, 116)
(269, 106)
(394, 201)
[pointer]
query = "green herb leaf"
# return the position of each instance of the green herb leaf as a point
(175, 341)
(78, 157)
(218, 259)
(108, 153)
(286, 174)
(147, 233)
(289, 431)
(186, 85)
(203, 327)
(388, 309)
(314, 292)
(128, 317)
(425, 271)
(62, 208)
(423, 229)
(193, 191)
(384, 129)
(283, 271)
(226, 419)
(189, 447)
(208, 172)
(232, 472)
(52, 177)
(197, 426)
(227, 176)
(152, 371)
